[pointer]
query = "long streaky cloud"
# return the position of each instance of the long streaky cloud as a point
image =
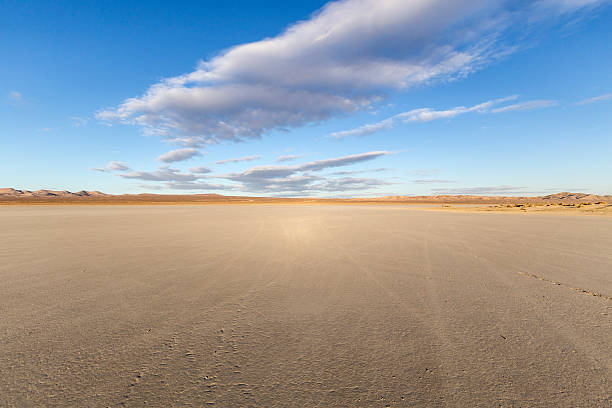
(365, 129)
(424, 115)
(286, 158)
(599, 98)
(238, 160)
(340, 60)
(112, 166)
(529, 105)
(284, 171)
(15, 98)
(200, 170)
(432, 181)
(179, 155)
(428, 114)
(164, 173)
(300, 179)
(342, 161)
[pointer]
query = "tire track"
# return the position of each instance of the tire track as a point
(579, 290)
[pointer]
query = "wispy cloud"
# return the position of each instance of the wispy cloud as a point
(605, 97)
(428, 114)
(433, 181)
(342, 161)
(529, 105)
(353, 172)
(238, 160)
(566, 6)
(289, 157)
(163, 173)
(425, 173)
(424, 115)
(365, 129)
(200, 170)
(300, 178)
(179, 155)
(15, 98)
(341, 60)
(197, 185)
(78, 121)
(112, 166)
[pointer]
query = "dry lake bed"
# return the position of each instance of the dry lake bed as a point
(303, 306)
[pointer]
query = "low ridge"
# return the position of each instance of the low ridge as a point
(44, 195)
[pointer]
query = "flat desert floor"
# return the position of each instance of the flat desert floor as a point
(303, 306)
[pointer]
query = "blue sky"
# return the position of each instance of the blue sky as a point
(347, 98)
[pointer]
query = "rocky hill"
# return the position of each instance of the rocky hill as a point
(11, 192)
(558, 198)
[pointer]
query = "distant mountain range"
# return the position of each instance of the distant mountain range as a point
(11, 192)
(552, 198)
(8, 195)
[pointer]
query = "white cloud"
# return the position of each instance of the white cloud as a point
(78, 121)
(15, 98)
(353, 172)
(200, 170)
(342, 161)
(428, 114)
(286, 158)
(567, 6)
(300, 179)
(342, 59)
(197, 185)
(163, 173)
(529, 105)
(179, 155)
(112, 166)
(421, 115)
(425, 173)
(238, 160)
(365, 129)
(432, 181)
(599, 98)
(288, 180)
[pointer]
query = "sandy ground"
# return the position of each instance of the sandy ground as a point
(303, 306)
(600, 210)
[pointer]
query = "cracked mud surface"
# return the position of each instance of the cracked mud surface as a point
(303, 306)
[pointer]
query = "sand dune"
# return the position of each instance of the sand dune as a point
(302, 306)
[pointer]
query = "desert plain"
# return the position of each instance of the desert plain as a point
(283, 305)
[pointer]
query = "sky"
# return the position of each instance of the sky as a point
(349, 98)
